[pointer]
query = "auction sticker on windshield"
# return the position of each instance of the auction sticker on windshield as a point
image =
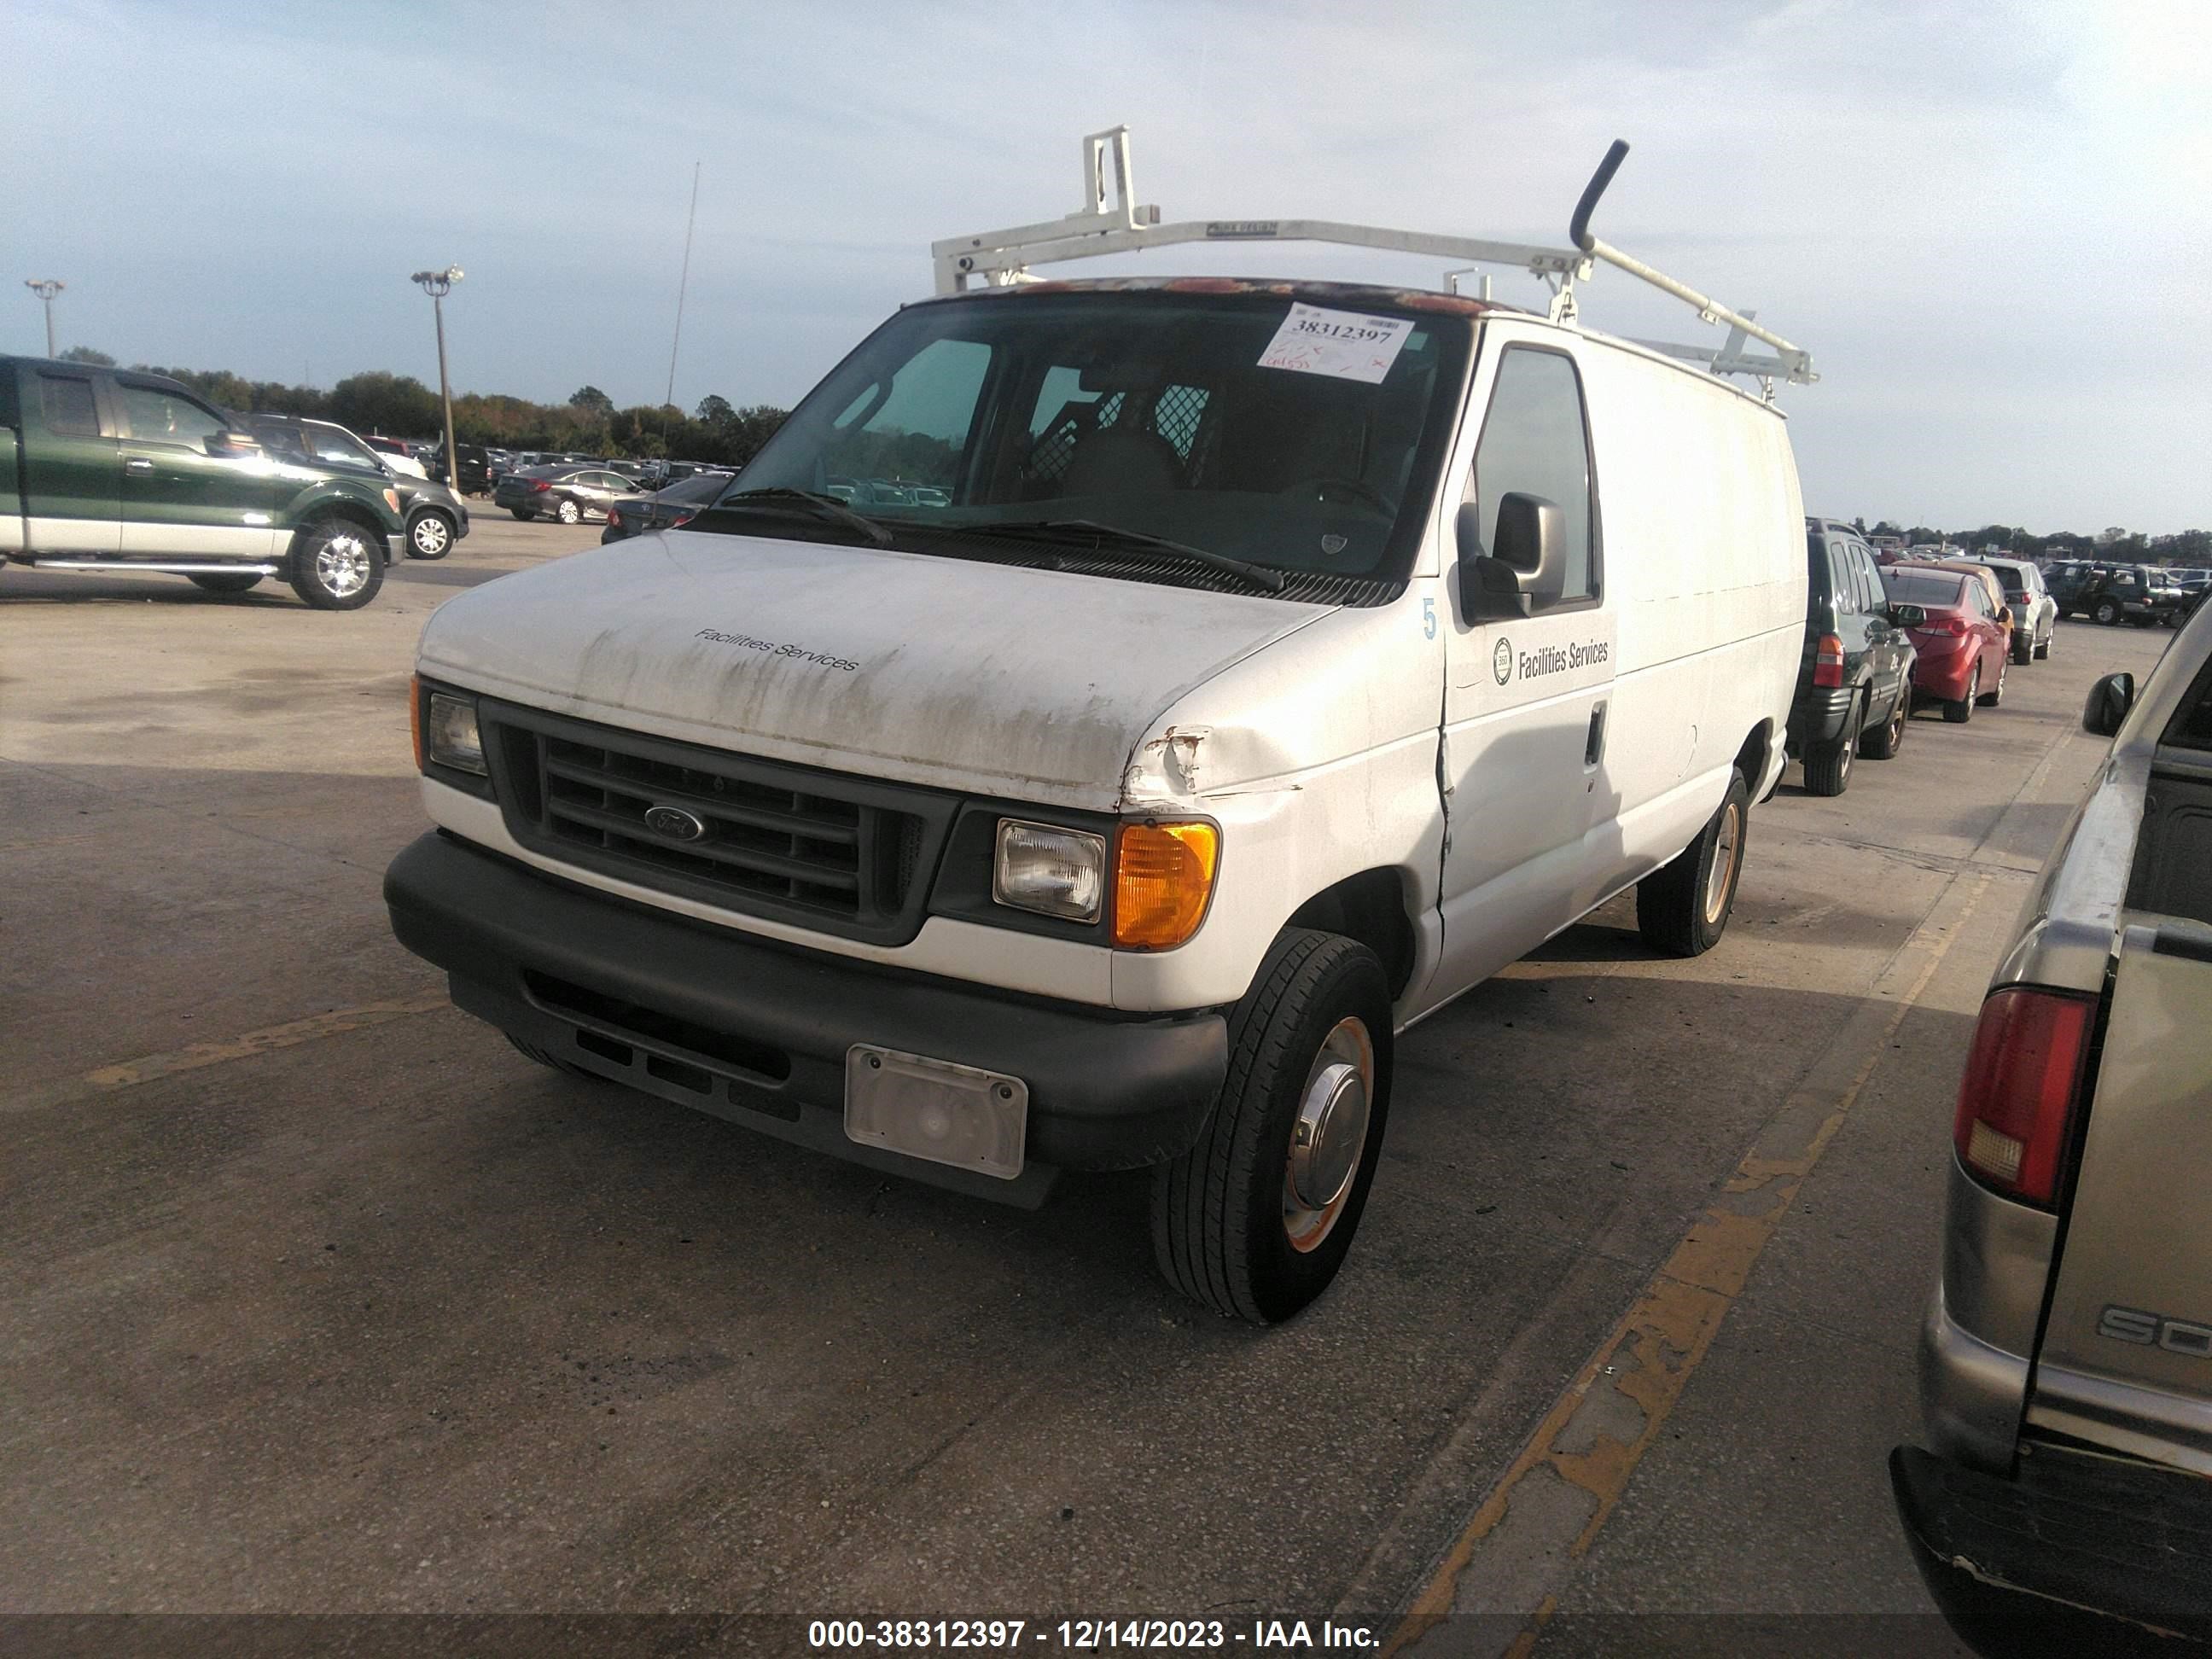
(1342, 344)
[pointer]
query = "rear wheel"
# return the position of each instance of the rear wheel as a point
(523, 513)
(1682, 907)
(569, 513)
(1828, 765)
(2023, 645)
(1959, 712)
(2106, 613)
(2043, 646)
(225, 583)
(1256, 1218)
(1885, 739)
(336, 565)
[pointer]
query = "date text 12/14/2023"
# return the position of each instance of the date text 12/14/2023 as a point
(1258, 1635)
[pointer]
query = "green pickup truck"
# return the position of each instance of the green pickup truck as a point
(106, 469)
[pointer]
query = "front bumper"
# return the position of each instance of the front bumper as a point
(2077, 1553)
(757, 1032)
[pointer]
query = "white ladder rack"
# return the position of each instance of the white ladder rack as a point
(1111, 220)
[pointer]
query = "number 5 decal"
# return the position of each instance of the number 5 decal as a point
(1428, 619)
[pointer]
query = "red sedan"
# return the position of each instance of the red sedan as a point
(1962, 639)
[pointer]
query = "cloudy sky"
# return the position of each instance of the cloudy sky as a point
(1988, 223)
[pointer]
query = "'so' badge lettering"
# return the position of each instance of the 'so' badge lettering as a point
(1501, 660)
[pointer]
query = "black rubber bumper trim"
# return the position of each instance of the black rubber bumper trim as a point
(2079, 1553)
(1107, 1092)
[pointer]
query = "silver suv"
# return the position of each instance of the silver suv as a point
(2066, 1363)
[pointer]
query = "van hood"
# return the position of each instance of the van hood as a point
(986, 678)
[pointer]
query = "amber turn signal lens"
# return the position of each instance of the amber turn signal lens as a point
(414, 716)
(1162, 877)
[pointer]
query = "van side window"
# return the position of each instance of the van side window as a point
(1535, 442)
(67, 403)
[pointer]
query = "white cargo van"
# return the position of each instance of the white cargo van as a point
(1108, 713)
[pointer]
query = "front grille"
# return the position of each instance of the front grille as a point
(847, 855)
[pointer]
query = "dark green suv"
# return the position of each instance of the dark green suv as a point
(107, 470)
(1855, 686)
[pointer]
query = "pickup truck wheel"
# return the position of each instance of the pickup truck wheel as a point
(1682, 907)
(226, 584)
(1828, 765)
(431, 535)
(1885, 739)
(336, 565)
(569, 513)
(1255, 1220)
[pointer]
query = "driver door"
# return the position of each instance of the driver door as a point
(180, 501)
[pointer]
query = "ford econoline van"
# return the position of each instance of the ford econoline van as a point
(1281, 659)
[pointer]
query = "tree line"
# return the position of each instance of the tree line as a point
(379, 404)
(2186, 547)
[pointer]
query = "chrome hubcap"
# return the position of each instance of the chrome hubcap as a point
(1723, 866)
(342, 563)
(430, 535)
(1329, 1135)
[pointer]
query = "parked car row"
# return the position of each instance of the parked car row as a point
(1885, 637)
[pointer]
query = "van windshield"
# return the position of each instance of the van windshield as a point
(986, 428)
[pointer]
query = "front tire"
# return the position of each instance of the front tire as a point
(336, 565)
(1255, 1218)
(1682, 907)
(429, 536)
(226, 583)
(1885, 739)
(1828, 765)
(1959, 712)
(1996, 695)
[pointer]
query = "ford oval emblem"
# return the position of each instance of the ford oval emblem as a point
(674, 822)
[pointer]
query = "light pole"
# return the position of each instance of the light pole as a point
(46, 288)
(438, 284)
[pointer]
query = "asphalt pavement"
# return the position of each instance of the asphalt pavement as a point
(316, 1298)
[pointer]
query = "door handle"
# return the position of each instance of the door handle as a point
(138, 464)
(1593, 749)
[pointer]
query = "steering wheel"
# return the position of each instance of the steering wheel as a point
(1356, 488)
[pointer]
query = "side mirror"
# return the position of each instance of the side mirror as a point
(2110, 699)
(1908, 615)
(1527, 565)
(230, 445)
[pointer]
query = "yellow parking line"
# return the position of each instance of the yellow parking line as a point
(1581, 1464)
(146, 1068)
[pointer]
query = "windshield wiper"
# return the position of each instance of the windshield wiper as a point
(1124, 541)
(807, 502)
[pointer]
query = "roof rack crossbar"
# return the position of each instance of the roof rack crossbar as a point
(1111, 220)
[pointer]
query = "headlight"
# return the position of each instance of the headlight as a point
(1162, 882)
(449, 734)
(1051, 870)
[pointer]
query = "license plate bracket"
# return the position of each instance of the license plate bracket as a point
(936, 1109)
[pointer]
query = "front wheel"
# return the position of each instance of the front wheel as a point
(336, 565)
(431, 537)
(1885, 739)
(1682, 907)
(1256, 1218)
(225, 583)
